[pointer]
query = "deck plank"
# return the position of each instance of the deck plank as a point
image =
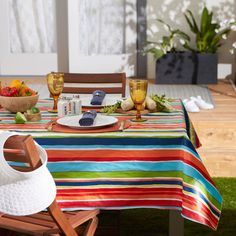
(217, 131)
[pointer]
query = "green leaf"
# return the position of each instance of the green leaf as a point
(213, 27)
(181, 34)
(151, 42)
(207, 41)
(188, 47)
(215, 43)
(210, 19)
(112, 108)
(157, 53)
(225, 31)
(162, 103)
(189, 23)
(168, 26)
(208, 37)
(205, 20)
(194, 27)
(201, 46)
(166, 41)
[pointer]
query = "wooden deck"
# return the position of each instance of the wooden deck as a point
(216, 129)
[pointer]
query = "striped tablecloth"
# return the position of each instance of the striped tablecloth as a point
(149, 165)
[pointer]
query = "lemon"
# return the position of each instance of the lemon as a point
(20, 118)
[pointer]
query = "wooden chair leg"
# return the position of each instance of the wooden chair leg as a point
(91, 227)
(61, 220)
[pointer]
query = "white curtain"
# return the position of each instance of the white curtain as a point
(101, 27)
(33, 26)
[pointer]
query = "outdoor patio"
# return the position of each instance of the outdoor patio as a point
(117, 117)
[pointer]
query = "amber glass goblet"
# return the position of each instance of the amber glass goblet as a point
(138, 92)
(55, 82)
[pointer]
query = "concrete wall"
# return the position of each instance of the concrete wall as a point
(171, 11)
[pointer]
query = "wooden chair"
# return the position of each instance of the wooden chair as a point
(113, 83)
(23, 149)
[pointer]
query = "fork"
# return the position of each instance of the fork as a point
(51, 125)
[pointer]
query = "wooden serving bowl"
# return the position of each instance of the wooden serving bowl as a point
(33, 117)
(15, 104)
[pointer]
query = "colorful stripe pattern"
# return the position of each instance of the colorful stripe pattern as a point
(149, 165)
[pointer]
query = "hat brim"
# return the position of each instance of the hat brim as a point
(31, 193)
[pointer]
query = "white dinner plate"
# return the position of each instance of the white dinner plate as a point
(106, 102)
(99, 122)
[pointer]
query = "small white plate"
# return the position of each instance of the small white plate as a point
(106, 102)
(99, 122)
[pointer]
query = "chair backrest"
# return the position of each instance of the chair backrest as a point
(23, 149)
(113, 83)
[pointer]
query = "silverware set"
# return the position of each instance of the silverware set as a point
(50, 127)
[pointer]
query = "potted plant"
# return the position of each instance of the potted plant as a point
(183, 64)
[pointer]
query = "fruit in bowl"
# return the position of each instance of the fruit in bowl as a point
(18, 97)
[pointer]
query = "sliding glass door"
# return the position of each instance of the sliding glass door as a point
(27, 37)
(102, 36)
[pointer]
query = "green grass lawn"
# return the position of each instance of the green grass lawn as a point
(150, 222)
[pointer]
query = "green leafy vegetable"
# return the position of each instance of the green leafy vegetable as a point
(111, 109)
(162, 103)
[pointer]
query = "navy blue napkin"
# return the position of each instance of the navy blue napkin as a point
(98, 97)
(88, 118)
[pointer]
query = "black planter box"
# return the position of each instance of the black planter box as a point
(187, 68)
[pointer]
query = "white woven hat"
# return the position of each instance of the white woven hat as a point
(24, 193)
